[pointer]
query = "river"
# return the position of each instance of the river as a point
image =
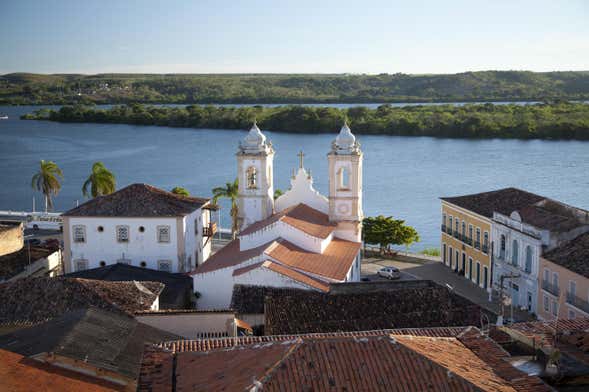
(403, 176)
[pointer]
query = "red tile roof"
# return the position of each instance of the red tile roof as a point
(21, 374)
(246, 269)
(139, 200)
(373, 360)
(299, 277)
(572, 255)
(229, 256)
(543, 331)
(333, 263)
(302, 217)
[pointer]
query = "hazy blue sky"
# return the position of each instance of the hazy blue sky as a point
(295, 36)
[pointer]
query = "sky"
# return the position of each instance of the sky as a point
(320, 36)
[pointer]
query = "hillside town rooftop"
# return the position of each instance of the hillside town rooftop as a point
(139, 200)
(572, 255)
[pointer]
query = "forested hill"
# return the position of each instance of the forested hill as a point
(21, 88)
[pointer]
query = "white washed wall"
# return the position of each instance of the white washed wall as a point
(280, 229)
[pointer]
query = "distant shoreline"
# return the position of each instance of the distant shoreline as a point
(564, 121)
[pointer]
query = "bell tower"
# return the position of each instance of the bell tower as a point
(345, 185)
(255, 157)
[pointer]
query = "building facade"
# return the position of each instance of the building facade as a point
(138, 225)
(564, 281)
(466, 243)
(302, 240)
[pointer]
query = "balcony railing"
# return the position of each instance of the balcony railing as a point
(551, 288)
(577, 302)
(449, 230)
(477, 244)
(443, 228)
(456, 234)
(210, 230)
(485, 248)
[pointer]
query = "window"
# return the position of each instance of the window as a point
(514, 252)
(79, 232)
(478, 273)
(485, 276)
(450, 225)
(554, 308)
(572, 288)
(450, 256)
(143, 264)
(463, 230)
(546, 304)
(477, 243)
(102, 263)
(528, 259)
(502, 248)
(546, 275)
(470, 233)
(123, 233)
(486, 242)
(444, 219)
(444, 258)
(163, 234)
(141, 229)
(251, 177)
(470, 268)
(343, 176)
(164, 265)
(81, 265)
(100, 229)
(457, 260)
(555, 279)
(572, 315)
(457, 224)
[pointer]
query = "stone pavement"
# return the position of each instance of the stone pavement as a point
(436, 271)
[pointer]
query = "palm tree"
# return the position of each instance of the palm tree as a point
(178, 190)
(46, 180)
(229, 191)
(101, 181)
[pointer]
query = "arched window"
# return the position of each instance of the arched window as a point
(528, 259)
(502, 248)
(343, 178)
(251, 177)
(514, 252)
(463, 230)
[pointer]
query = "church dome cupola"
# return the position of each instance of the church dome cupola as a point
(345, 142)
(254, 142)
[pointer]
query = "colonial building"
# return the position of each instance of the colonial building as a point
(138, 225)
(504, 233)
(565, 281)
(301, 240)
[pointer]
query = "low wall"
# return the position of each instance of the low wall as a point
(190, 324)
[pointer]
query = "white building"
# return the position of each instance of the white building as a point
(139, 225)
(522, 236)
(301, 240)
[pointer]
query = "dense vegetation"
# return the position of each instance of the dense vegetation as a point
(21, 88)
(545, 121)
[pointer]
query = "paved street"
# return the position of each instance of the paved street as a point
(434, 270)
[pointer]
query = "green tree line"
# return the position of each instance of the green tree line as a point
(560, 120)
(61, 89)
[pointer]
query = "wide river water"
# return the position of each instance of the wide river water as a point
(403, 176)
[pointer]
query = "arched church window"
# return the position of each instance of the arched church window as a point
(343, 178)
(252, 177)
(502, 248)
(514, 252)
(528, 259)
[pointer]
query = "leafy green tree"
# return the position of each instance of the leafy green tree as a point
(277, 193)
(47, 181)
(101, 181)
(229, 191)
(180, 191)
(386, 231)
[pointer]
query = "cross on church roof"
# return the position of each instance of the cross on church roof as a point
(301, 156)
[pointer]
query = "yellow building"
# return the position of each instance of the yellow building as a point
(466, 242)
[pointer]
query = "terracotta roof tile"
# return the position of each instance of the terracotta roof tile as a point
(371, 360)
(246, 269)
(333, 263)
(39, 299)
(21, 374)
(229, 256)
(139, 200)
(299, 277)
(504, 201)
(302, 217)
(572, 255)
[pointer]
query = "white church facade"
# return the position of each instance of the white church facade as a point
(300, 240)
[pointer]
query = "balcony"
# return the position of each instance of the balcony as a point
(456, 234)
(551, 288)
(477, 244)
(577, 302)
(443, 228)
(449, 230)
(467, 240)
(209, 231)
(485, 249)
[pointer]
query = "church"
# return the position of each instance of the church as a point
(302, 239)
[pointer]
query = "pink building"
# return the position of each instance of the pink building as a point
(564, 281)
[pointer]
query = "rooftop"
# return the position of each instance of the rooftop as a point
(20, 374)
(572, 255)
(40, 299)
(294, 312)
(14, 263)
(103, 339)
(462, 360)
(138, 200)
(302, 217)
(174, 295)
(504, 201)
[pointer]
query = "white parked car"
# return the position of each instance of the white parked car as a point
(389, 272)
